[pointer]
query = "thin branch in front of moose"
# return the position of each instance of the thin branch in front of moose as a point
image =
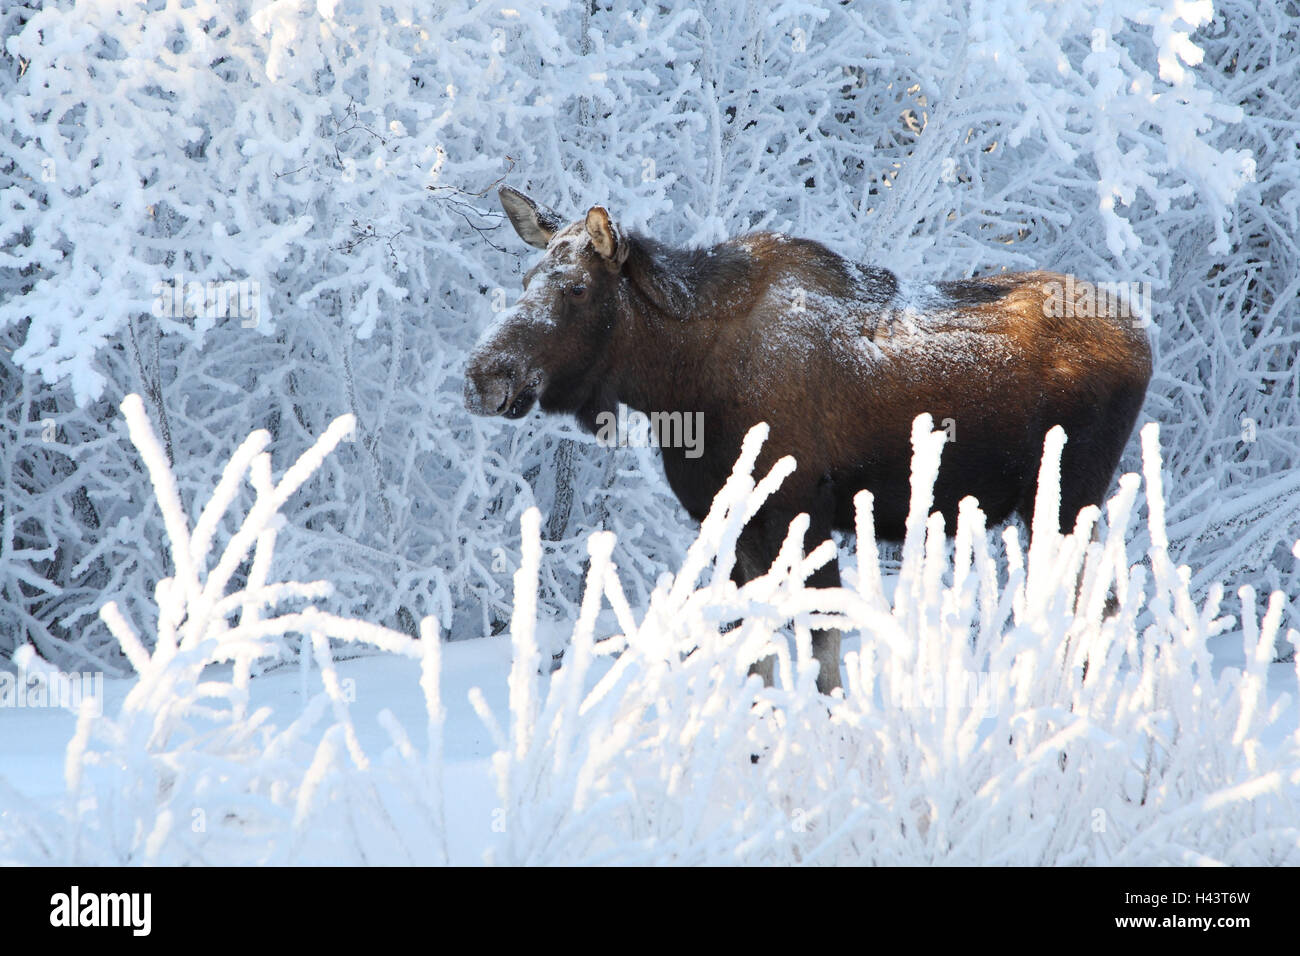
(363, 234)
(458, 206)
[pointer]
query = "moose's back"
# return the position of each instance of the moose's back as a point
(839, 359)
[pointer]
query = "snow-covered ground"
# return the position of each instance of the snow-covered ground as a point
(33, 741)
(988, 716)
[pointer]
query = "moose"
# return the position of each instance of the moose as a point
(836, 356)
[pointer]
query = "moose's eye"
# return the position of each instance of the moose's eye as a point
(578, 291)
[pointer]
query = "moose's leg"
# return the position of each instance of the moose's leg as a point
(758, 547)
(753, 561)
(825, 643)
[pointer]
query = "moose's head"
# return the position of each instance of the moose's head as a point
(553, 343)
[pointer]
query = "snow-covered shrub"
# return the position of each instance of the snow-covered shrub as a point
(334, 164)
(186, 772)
(985, 719)
(312, 155)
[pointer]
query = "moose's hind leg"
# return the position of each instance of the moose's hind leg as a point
(758, 547)
(751, 563)
(825, 642)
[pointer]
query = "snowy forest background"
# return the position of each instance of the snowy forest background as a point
(340, 158)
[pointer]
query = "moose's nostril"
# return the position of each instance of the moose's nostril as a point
(488, 391)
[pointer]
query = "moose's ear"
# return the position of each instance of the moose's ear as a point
(535, 224)
(605, 236)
